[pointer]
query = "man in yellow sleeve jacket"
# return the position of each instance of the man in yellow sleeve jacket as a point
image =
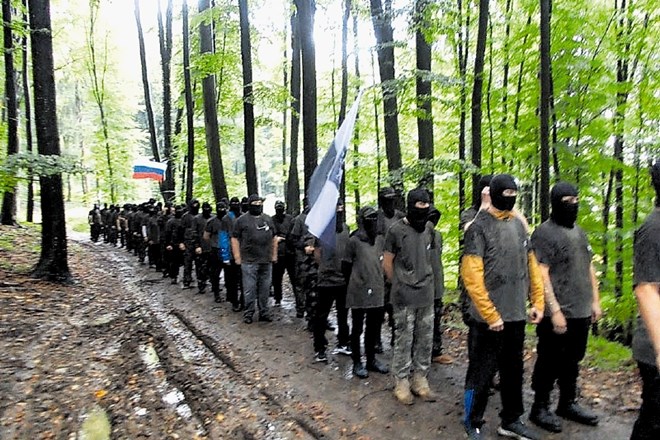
(500, 273)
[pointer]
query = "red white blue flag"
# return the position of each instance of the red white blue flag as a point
(146, 169)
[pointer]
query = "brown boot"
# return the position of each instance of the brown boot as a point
(420, 387)
(402, 391)
(444, 359)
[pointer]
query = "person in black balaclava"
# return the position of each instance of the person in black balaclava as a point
(255, 248)
(94, 219)
(174, 240)
(387, 216)
(245, 205)
(500, 272)
(286, 254)
(233, 281)
(646, 340)
(153, 239)
(188, 248)
(363, 272)
(572, 305)
(407, 264)
(202, 247)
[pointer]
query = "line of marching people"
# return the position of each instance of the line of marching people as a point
(391, 265)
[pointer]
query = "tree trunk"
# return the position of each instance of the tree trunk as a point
(376, 127)
(462, 56)
(382, 23)
(423, 87)
(248, 105)
(190, 125)
(53, 261)
(306, 30)
(477, 93)
(293, 184)
(145, 83)
(165, 40)
(9, 196)
(505, 81)
(285, 110)
(28, 116)
(489, 92)
(211, 112)
(544, 195)
(344, 61)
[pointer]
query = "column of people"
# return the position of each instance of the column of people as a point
(391, 265)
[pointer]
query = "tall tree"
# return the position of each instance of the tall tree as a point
(306, 9)
(145, 83)
(293, 183)
(248, 100)
(165, 40)
(97, 70)
(9, 196)
(187, 87)
(210, 108)
(344, 62)
(53, 261)
(462, 51)
(477, 93)
(546, 79)
(28, 113)
(382, 22)
(356, 137)
(423, 85)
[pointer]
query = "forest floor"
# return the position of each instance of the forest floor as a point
(121, 353)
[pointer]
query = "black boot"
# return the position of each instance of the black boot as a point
(360, 371)
(573, 411)
(542, 417)
(377, 366)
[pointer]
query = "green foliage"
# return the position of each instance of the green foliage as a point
(607, 355)
(14, 166)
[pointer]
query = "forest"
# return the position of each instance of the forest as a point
(242, 97)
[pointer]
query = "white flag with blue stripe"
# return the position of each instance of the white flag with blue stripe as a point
(323, 191)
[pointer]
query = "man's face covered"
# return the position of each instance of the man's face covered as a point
(386, 199)
(368, 219)
(279, 209)
(235, 206)
(221, 209)
(418, 209)
(564, 200)
(255, 205)
(503, 192)
(206, 210)
(194, 207)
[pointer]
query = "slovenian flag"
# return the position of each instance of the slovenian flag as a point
(323, 191)
(146, 169)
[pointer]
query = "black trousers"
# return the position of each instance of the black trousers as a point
(215, 268)
(438, 307)
(326, 296)
(232, 280)
(373, 321)
(487, 352)
(155, 256)
(558, 359)
(284, 263)
(173, 261)
(647, 426)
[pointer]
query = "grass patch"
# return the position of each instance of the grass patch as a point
(78, 224)
(19, 247)
(607, 355)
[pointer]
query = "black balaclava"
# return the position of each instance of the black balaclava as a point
(483, 183)
(206, 210)
(498, 185)
(193, 207)
(418, 217)
(563, 213)
(655, 180)
(178, 211)
(245, 205)
(221, 209)
(340, 217)
(279, 209)
(255, 210)
(368, 221)
(387, 201)
(235, 206)
(434, 215)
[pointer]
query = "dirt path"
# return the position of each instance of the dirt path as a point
(163, 362)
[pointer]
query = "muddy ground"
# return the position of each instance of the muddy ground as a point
(121, 352)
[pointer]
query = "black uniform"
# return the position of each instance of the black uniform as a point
(286, 257)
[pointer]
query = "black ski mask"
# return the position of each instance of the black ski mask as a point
(418, 217)
(220, 209)
(279, 209)
(194, 207)
(255, 206)
(206, 210)
(498, 185)
(655, 180)
(245, 205)
(235, 206)
(386, 201)
(563, 213)
(368, 221)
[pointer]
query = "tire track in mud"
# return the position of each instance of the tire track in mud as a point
(226, 402)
